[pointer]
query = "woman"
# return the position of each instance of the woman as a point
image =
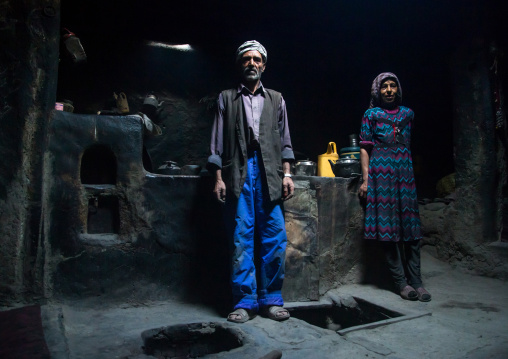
(389, 187)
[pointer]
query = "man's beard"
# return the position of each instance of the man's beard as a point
(249, 75)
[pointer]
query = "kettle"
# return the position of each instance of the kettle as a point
(150, 104)
(346, 167)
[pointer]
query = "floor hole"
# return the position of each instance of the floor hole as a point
(337, 316)
(192, 340)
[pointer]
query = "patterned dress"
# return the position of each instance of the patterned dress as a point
(392, 205)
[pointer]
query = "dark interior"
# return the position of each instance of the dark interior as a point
(323, 59)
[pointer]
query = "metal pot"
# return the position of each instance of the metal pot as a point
(169, 168)
(346, 167)
(305, 168)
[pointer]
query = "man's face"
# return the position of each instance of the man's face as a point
(251, 66)
(388, 91)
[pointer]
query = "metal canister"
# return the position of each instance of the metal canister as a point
(305, 168)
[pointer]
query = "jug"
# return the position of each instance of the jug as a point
(324, 168)
(121, 102)
(73, 47)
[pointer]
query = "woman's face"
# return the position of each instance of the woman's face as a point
(388, 91)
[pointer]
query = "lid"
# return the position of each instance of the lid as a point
(169, 164)
(348, 160)
(306, 163)
(349, 149)
(350, 155)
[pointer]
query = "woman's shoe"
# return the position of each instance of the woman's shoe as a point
(409, 293)
(423, 295)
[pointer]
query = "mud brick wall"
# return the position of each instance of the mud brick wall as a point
(168, 240)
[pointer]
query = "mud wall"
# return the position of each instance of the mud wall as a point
(168, 238)
(466, 230)
(161, 238)
(29, 34)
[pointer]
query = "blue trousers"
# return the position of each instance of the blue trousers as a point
(254, 217)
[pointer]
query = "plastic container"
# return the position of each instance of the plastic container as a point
(324, 169)
(73, 46)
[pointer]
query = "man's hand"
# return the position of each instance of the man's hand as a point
(288, 188)
(220, 187)
(220, 190)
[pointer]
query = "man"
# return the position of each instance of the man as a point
(251, 155)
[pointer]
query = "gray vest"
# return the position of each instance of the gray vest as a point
(234, 156)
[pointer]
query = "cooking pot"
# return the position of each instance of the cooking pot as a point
(346, 167)
(305, 168)
(169, 168)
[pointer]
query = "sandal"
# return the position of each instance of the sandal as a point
(276, 312)
(423, 295)
(408, 293)
(240, 315)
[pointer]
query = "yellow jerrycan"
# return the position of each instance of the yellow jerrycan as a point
(323, 168)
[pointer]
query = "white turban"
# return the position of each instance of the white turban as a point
(251, 45)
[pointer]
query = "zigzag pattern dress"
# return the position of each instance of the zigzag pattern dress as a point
(392, 206)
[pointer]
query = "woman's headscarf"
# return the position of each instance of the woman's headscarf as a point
(375, 95)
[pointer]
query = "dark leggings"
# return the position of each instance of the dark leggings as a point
(406, 265)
